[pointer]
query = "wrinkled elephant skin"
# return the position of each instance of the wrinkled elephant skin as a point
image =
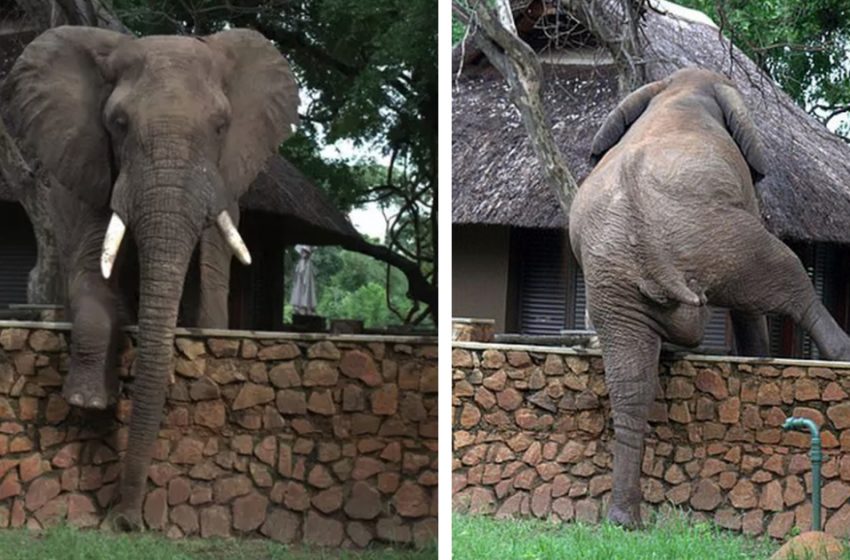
(666, 223)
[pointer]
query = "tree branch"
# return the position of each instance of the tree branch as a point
(418, 287)
(615, 24)
(518, 64)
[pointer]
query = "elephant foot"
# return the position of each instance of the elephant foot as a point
(842, 354)
(89, 392)
(627, 519)
(124, 520)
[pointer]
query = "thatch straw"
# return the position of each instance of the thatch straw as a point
(497, 180)
(296, 207)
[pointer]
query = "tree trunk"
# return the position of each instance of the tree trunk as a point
(104, 16)
(614, 23)
(73, 12)
(31, 188)
(418, 287)
(52, 13)
(46, 281)
(518, 63)
(39, 12)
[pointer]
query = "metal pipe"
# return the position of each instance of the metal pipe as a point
(816, 457)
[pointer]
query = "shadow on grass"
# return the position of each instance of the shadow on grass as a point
(68, 543)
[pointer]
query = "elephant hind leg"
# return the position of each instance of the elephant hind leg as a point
(630, 354)
(751, 336)
(769, 278)
(832, 341)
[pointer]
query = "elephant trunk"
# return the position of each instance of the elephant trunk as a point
(165, 236)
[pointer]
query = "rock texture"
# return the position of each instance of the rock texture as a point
(532, 437)
(326, 442)
(812, 544)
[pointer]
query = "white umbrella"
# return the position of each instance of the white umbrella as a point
(303, 298)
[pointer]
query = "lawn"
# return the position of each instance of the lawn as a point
(66, 543)
(674, 537)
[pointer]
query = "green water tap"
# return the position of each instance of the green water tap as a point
(816, 457)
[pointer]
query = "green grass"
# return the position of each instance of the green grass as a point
(673, 537)
(67, 543)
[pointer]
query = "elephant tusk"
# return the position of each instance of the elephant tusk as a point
(111, 244)
(233, 238)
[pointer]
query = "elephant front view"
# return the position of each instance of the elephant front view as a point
(667, 223)
(153, 139)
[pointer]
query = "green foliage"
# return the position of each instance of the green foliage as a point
(351, 286)
(458, 31)
(344, 180)
(67, 543)
(802, 45)
(676, 537)
(367, 302)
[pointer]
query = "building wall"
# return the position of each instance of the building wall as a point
(543, 291)
(480, 273)
(532, 438)
(17, 253)
(330, 441)
(256, 292)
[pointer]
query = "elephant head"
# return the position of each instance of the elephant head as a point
(719, 90)
(165, 133)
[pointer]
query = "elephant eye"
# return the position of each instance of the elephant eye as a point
(118, 122)
(221, 127)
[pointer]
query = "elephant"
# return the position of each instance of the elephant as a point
(153, 139)
(666, 223)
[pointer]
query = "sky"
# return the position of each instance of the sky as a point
(369, 221)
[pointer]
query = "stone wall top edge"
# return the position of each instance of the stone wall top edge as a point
(226, 333)
(473, 321)
(666, 356)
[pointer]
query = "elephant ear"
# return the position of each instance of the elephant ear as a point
(52, 100)
(263, 97)
(741, 127)
(622, 117)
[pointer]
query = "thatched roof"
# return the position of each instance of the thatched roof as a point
(282, 198)
(497, 179)
(293, 207)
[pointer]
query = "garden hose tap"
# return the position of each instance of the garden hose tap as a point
(816, 457)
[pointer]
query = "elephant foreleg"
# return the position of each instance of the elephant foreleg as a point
(214, 261)
(631, 369)
(93, 304)
(751, 336)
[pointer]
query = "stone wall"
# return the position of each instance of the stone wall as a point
(532, 437)
(323, 440)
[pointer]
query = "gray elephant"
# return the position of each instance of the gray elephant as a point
(154, 139)
(666, 223)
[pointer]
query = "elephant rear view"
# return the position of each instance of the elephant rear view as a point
(668, 223)
(154, 138)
